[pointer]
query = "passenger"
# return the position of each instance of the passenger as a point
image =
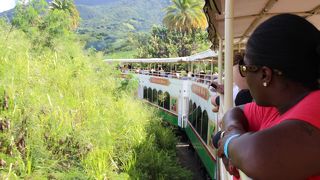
(162, 73)
(207, 78)
(201, 76)
(152, 71)
(193, 77)
(241, 94)
(278, 136)
(190, 75)
(177, 75)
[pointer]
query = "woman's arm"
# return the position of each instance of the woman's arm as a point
(234, 121)
(289, 150)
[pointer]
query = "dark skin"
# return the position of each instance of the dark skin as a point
(289, 150)
(219, 87)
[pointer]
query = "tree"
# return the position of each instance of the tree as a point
(67, 6)
(27, 17)
(185, 15)
(45, 25)
(163, 43)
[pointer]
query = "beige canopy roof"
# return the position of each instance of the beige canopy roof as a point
(248, 14)
(207, 55)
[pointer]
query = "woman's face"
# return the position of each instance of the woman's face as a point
(238, 79)
(255, 84)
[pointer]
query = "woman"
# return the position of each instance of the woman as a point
(278, 136)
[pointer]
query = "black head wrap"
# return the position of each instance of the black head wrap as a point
(288, 43)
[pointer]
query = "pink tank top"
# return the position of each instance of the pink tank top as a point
(308, 110)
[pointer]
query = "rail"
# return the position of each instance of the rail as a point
(198, 77)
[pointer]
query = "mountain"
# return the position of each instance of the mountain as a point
(106, 24)
(94, 2)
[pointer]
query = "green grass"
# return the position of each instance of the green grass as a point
(64, 114)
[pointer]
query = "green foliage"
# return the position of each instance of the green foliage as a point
(121, 54)
(107, 24)
(56, 24)
(157, 160)
(27, 17)
(165, 43)
(69, 7)
(67, 115)
(41, 25)
(185, 15)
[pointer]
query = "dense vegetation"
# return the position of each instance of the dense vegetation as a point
(64, 114)
(164, 43)
(107, 25)
(182, 34)
(120, 28)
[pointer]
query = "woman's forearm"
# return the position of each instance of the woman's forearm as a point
(280, 152)
(234, 121)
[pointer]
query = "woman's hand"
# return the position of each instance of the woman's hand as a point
(227, 162)
(218, 87)
(232, 170)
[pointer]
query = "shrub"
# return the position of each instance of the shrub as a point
(60, 118)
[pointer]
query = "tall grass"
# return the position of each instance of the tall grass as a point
(64, 114)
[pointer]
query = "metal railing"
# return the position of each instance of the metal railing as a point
(196, 77)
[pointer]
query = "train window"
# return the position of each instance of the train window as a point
(194, 107)
(149, 94)
(199, 119)
(155, 96)
(160, 98)
(204, 132)
(190, 107)
(190, 111)
(174, 103)
(194, 115)
(166, 104)
(145, 92)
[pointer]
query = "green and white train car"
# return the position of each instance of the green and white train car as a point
(183, 101)
(186, 103)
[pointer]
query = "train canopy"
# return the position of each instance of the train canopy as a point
(248, 14)
(208, 55)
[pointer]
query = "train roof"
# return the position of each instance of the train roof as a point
(248, 14)
(208, 55)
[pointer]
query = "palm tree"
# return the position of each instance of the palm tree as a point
(67, 6)
(185, 15)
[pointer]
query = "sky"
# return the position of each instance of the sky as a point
(6, 5)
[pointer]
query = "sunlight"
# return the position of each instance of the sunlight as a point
(6, 5)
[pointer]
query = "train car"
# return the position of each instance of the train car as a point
(185, 102)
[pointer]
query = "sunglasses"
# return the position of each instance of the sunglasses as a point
(244, 69)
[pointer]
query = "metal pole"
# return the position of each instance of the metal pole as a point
(220, 61)
(198, 67)
(228, 59)
(192, 67)
(211, 69)
(228, 56)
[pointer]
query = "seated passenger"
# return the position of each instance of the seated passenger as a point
(277, 136)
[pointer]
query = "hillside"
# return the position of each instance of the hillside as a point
(106, 24)
(66, 114)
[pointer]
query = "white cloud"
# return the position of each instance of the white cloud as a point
(6, 5)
